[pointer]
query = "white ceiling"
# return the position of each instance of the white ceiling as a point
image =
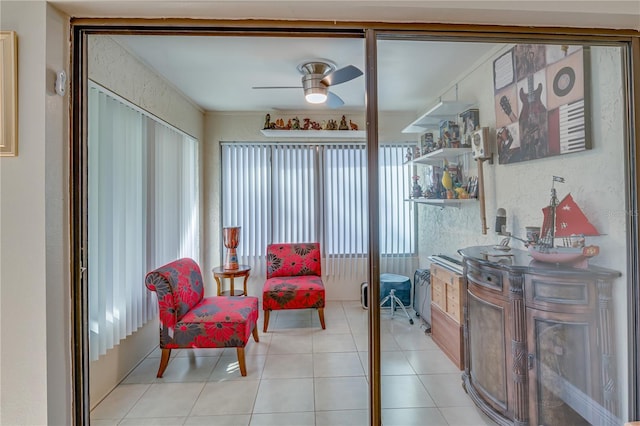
(218, 73)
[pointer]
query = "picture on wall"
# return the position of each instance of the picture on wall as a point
(8, 94)
(540, 101)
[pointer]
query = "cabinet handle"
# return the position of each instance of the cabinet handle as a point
(530, 361)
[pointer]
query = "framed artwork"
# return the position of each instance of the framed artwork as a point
(8, 95)
(469, 122)
(541, 101)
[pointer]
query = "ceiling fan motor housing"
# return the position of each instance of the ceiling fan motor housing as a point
(316, 67)
(312, 84)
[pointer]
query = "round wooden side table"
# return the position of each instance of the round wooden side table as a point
(220, 273)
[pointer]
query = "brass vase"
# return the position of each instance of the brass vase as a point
(231, 239)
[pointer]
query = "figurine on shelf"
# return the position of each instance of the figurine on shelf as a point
(447, 182)
(353, 125)
(280, 124)
(289, 125)
(315, 125)
(296, 124)
(332, 125)
(446, 139)
(267, 121)
(343, 124)
(416, 190)
(323, 125)
(427, 144)
(307, 124)
(409, 155)
(430, 192)
(461, 193)
(416, 152)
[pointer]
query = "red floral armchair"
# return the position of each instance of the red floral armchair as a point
(293, 279)
(189, 320)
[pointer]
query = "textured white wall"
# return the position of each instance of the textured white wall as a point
(594, 177)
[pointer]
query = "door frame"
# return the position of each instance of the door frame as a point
(371, 32)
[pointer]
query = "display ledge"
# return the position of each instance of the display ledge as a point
(436, 157)
(442, 202)
(443, 110)
(318, 134)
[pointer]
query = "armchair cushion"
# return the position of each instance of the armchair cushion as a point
(286, 260)
(217, 322)
(296, 292)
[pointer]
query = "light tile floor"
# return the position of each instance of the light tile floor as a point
(298, 374)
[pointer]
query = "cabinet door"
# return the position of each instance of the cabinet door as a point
(488, 357)
(564, 373)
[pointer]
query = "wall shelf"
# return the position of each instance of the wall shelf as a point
(316, 134)
(436, 157)
(443, 110)
(456, 202)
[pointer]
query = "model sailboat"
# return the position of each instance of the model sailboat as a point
(564, 220)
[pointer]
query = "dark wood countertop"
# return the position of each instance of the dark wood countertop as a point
(520, 261)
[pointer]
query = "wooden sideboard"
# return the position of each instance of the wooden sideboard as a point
(446, 312)
(538, 340)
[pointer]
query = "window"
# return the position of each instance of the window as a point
(314, 192)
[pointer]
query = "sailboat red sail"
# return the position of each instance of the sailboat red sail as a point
(570, 220)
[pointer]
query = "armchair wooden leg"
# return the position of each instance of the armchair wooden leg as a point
(243, 367)
(321, 315)
(255, 333)
(164, 360)
(266, 321)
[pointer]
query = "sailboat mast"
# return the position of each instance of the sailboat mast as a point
(554, 205)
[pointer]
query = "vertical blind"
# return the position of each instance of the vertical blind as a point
(288, 192)
(142, 212)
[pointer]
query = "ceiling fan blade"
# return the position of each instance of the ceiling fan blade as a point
(277, 87)
(342, 75)
(333, 100)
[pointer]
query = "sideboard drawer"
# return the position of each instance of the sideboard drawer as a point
(559, 294)
(485, 277)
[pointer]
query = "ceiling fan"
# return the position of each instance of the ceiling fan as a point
(317, 77)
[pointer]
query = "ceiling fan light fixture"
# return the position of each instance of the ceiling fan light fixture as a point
(314, 91)
(315, 97)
